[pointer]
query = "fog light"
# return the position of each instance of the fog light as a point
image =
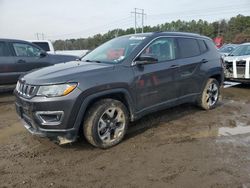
(50, 117)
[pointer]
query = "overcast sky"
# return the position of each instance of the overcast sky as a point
(60, 19)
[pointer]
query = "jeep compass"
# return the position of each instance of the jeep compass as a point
(119, 82)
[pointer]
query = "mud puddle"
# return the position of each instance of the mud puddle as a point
(241, 128)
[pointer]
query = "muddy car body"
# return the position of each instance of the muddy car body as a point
(237, 64)
(120, 81)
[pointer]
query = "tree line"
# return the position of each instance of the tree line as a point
(234, 30)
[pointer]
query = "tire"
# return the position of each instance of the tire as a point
(106, 123)
(210, 95)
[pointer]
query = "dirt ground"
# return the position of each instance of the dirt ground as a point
(178, 147)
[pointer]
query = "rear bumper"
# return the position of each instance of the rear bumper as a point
(238, 80)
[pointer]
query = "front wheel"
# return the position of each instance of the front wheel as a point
(106, 123)
(210, 95)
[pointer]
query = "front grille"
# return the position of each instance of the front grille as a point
(241, 63)
(26, 90)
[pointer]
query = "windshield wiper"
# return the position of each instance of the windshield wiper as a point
(95, 61)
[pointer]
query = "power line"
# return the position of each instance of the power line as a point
(126, 19)
(205, 10)
(140, 13)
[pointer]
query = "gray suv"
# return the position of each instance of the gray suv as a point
(119, 82)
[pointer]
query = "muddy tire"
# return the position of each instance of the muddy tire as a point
(106, 123)
(211, 93)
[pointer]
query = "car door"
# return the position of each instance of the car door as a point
(8, 72)
(155, 83)
(190, 76)
(28, 57)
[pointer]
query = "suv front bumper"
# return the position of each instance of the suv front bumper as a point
(39, 115)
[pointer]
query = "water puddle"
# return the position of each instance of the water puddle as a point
(239, 129)
(213, 132)
(230, 84)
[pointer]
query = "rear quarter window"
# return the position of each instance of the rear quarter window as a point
(203, 46)
(188, 47)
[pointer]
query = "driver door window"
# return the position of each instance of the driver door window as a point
(26, 50)
(163, 49)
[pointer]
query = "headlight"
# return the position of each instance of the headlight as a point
(56, 90)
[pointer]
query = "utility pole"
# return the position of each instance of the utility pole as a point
(141, 13)
(38, 36)
(142, 20)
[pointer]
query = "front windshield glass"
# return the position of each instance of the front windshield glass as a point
(241, 50)
(226, 49)
(115, 50)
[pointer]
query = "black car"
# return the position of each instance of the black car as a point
(17, 57)
(119, 82)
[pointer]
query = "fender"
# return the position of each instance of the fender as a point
(91, 97)
(213, 72)
(216, 71)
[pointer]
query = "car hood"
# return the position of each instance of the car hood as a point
(62, 58)
(64, 72)
(232, 58)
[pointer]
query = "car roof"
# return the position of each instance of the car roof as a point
(246, 43)
(47, 41)
(12, 40)
(171, 33)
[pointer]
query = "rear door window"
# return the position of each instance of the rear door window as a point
(188, 47)
(4, 50)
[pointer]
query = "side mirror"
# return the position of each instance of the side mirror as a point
(43, 54)
(145, 59)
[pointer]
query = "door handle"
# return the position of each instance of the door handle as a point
(174, 66)
(21, 61)
(204, 61)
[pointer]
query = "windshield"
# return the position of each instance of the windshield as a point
(241, 50)
(115, 50)
(226, 49)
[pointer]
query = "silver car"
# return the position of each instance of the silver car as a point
(237, 64)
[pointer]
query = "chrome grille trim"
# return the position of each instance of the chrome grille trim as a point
(26, 90)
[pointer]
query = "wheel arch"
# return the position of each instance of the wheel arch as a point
(118, 94)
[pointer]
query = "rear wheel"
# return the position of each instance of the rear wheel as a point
(210, 95)
(106, 123)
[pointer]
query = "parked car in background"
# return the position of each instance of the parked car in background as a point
(46, 45)
(118, 82)
(237, 64)
(226, 49)
(19, 57)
